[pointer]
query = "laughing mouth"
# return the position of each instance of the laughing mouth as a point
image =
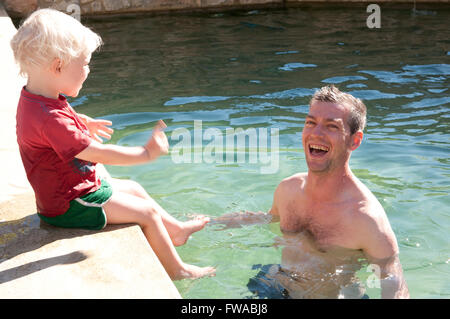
(316, 149)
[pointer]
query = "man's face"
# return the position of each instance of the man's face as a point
(326, 136)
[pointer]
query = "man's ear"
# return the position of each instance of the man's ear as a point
(356, 140)
(56, 66)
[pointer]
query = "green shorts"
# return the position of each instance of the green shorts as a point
(84, 212)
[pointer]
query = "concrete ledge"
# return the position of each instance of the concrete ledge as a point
(13, 178)
(41, 261)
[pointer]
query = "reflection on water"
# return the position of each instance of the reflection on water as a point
(260, 70)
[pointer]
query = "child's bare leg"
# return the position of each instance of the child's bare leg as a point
(125, 208)
(178, 231)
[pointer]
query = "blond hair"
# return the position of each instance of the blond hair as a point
(358, 111)
(48, 34)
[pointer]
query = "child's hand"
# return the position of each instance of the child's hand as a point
(97, 127)
(158, 143)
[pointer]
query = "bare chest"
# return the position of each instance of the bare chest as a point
(326, 225)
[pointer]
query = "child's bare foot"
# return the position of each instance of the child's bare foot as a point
(193, 272)
(188, 228)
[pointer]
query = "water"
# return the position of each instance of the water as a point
(258, 69)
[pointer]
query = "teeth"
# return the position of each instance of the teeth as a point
(319, 147)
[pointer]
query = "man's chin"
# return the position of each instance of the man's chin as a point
(315, 167)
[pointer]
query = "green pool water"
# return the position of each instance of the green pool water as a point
(258, 69)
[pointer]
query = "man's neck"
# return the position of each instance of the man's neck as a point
(327, 186)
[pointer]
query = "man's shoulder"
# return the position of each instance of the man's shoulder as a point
(289, 187)
(367, 204)
(366, 210)
(366, 207)
(292, 184)
(294, 180)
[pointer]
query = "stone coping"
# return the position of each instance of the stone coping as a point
(38, 260)
(21, 8)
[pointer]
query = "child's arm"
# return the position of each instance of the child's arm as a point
(97, 127)
(110, 154)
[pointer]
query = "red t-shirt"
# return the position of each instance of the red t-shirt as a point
(50, 134)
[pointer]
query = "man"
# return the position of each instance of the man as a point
(329, 219)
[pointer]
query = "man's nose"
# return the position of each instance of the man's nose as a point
(317, 130)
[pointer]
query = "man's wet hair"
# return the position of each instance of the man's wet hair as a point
(358, 111)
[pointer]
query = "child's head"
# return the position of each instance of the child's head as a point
(47, 35)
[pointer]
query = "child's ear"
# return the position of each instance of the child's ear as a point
(56, 66)
(357, 138)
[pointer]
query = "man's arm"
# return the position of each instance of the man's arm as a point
(392, 282)
(121, 155)
(381, 249)
(239, 219)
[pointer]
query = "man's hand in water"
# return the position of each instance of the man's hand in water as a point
(239, 219)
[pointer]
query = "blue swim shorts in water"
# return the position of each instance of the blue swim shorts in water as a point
(265, 286)
(85, 212)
